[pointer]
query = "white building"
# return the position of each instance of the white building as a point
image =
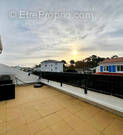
(111, 67)
(52, 66)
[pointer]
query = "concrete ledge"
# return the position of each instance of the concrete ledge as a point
(25, 84)
(107, 102)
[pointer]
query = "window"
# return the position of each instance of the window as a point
(106, 68)
(45, 65)
(55, 67)
(120, 68)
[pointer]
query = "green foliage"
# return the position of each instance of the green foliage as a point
(72, 62)
(64, 62)
(86, 63)
(89, 62)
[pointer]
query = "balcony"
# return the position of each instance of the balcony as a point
(47, 111)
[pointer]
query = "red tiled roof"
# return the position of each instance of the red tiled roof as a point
(120, 59)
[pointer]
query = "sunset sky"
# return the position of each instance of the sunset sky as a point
(36, 30)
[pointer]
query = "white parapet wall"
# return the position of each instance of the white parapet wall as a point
(108, 102)
(19, 77)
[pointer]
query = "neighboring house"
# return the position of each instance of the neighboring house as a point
(111, 67)
(79, 70)
(37, 69)
(88, 71)
(93, 70)
(52, 66)
(26, 69)
(17, 67)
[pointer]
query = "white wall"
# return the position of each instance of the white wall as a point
(98, 69)
(21, 75)
(52, 66)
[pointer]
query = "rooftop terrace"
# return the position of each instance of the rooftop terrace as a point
(47, 111)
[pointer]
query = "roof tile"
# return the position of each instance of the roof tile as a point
(120, 59)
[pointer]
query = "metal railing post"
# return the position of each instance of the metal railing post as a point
(61, 84)
(85, 87)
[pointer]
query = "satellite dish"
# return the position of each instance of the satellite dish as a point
(1, 47)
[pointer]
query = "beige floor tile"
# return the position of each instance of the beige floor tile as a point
(61, 128)
(86, 114)
(11, 103)
(75, 122)
(47, 111)
(2, 105)
(22, 130)
(27, 109)
(52, 119)
(101, 120)
(29, 117)
(13, 110)
(73, 132)
(37, 125)
(2, 128)
(46, 131)
(74, 108)
(12, 124)
(115, 128)
(64, 114)
(11, 116)
(86, 129)
(2, 116)
(57, 107)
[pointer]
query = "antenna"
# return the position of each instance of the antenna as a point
(1, 47)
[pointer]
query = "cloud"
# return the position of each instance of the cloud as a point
(36, 39)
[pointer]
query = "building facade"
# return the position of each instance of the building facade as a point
(52, 66)
(111, 67)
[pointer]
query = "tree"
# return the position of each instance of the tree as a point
(36, 66)
(114, 56)
(72, 62)
(79, 64)
(64, 65)
(64, 62)
(89, 62)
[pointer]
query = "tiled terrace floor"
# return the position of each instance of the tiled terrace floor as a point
(46, 111)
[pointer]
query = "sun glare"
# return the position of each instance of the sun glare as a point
(74, 52)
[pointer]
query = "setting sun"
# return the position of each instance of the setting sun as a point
(74, 52)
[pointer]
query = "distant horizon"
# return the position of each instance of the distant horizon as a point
(68, 62)
(33, 31)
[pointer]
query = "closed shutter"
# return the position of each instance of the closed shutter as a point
(101, 68)
(113, 68)
(110, 68)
